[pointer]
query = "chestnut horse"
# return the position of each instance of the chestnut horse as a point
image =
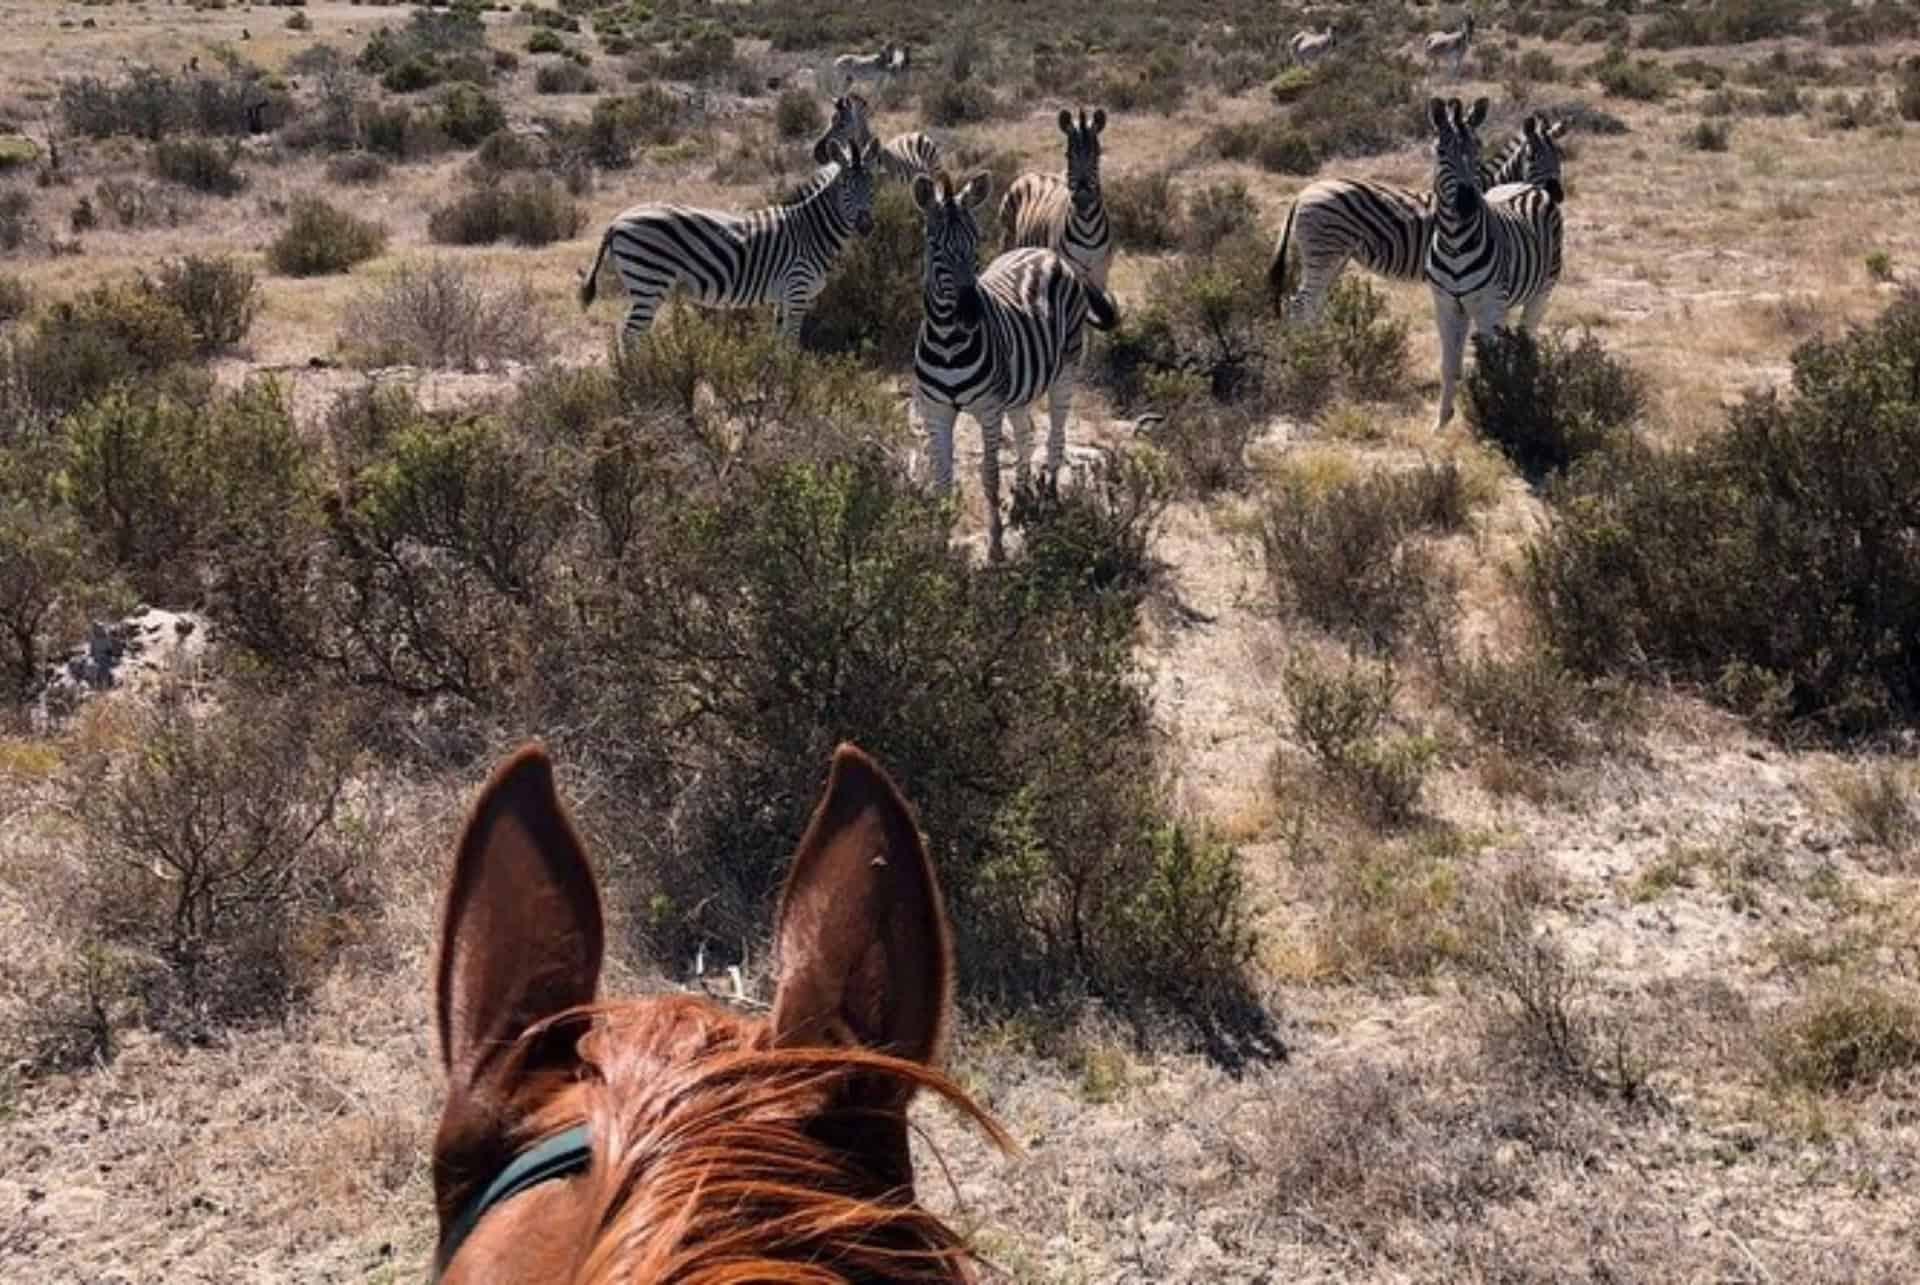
(670, 1139)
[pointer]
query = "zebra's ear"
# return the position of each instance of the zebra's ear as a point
(1436, 114)
(924, 192)
(870, 154)
(1066, 122)
(974, 194)
(1530, 126)
(1557, 129)
(1099, 119)
(822, 149)
(1478, 116)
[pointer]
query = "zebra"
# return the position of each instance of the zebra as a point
(893, 60)
(991, 343)
(1450, 44)
(902, 157)
(1310, 46)
(1065, 214)
(1385, 228)
(778, 255)
(1489, 253)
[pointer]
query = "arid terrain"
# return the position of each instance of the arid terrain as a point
(1544, 964)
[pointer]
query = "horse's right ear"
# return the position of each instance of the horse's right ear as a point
(865, 953)
(923, 192)
(521, 937)
(974, 194)
(1436, 113)
(822, 149)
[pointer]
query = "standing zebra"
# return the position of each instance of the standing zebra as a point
(778, 255)
(1310, 46)
(903, 157)
(1385, 228)
(893, 60)
(1488, 255)
(1065, 214)
(993, 342)
(1450, 45)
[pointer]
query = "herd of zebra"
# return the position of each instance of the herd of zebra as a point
(993, 341)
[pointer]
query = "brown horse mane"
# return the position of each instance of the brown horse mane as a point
(714, 1159)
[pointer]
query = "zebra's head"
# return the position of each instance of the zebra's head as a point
(1083, 156)
(849, 125)
(853, 185)
(1456, 152)
(953, 239)
(1541, 165)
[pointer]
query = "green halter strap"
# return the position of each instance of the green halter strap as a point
(566, 1152)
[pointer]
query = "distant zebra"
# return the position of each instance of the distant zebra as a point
(1490, 253)
(1310, 46)
(1065, 214)
(1450, 45)
(1386, 229)
(891, 61)
(778, 255)
(991, 343)
(901, 157)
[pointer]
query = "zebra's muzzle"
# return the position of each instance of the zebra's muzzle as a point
(863, 222)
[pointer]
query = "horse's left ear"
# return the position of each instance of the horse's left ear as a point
(1099, 119)
(865, 951)
(522, 937)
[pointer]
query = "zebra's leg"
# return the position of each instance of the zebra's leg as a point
(796, 301)
(1059, 406)
(1317, 276)
(990, 479)
(1022, 417)
(937, 418)
(1450, 319)
(1534, 309)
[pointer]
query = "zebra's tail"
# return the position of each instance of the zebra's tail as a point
(1102, 312)
(591, 283)
(1277, 270)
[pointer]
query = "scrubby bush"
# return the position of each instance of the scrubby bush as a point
(1208, 319)
(81, 347)
(412, 76)
(357, 169)
(1217, 212)
(16, 209)
(528, 210)
(218, 296)
(16, 299)
(508, 151)
(1846, 1039)
(1732, 22)
(1349, 556)
(1643, 80)
(706, 58)
(320, 239)
(1360, 104)
(948, 103)
(1344, 718)
(1274, 145)
(1369, 342)
(1709, 136)
(1768, 564)
(544, 40)
(649, 114)
(797, 115)
(40, 556)
(443, 315)
(198, 163)
(564, 78)
(1205, 440)
(1142, 211)
(1546, 402)
(467, 115)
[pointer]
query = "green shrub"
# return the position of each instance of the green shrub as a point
(1369, 343)
(1879, 268)
(947, 103)
(412, 75)
(198, 163)
(1142, 211)
(533, 210)
(1530, 706)
(708, 57)
(1360, 104)
(396, 131)
(797, 115)
(1208, 319)
(83, 346)
(1273, 145)
(1343, 718)
(218, 296)
(467, 115)
(506, 152)
(320, 239)
(1205, 441)
(1764, 564)
(1643, 81)
(546, 41)
(1545, 402)
(40, 557)
(647, 115)
(1907, 96)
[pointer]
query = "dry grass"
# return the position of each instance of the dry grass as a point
(1749, 911)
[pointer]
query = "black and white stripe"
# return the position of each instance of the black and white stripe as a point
(902, 157)
(1450, 46)
(1490, 252)
(779, 255)
(993, 342)
(1383, 228)
(1310, 46)
(1065, 213)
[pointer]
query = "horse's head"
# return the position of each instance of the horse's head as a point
(669, 1138)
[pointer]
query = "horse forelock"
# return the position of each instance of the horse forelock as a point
(714, 1160)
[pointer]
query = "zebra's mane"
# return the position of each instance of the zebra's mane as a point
(820, 181)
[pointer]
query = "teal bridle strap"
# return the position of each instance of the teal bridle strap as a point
(564, 1153)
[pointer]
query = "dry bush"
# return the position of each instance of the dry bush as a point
(1215, 213)
(211, 846)
(40, 565)
(1881, 807)
(320, 239)
(468, 115)
(16, 299)
(16, 219)
(1205, 441)
(80, 347)
(797, 115)
(1846, 1039)
(357, 169)
(1350, 557)
(218, 296)
(200, 164)
(1142, 211)
(1344, 718)
(445, 315)
(564, 78)
(529, 210)
(139, 205)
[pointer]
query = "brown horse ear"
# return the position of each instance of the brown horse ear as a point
(865, 955)
(521, 937)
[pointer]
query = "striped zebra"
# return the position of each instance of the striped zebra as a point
(1444, 46)
(1065, 213)
(1490, 253)
(993, 342)
(1385, 228)
(778, 255)
(1310, 46)
(902, 157)
(893, 60)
